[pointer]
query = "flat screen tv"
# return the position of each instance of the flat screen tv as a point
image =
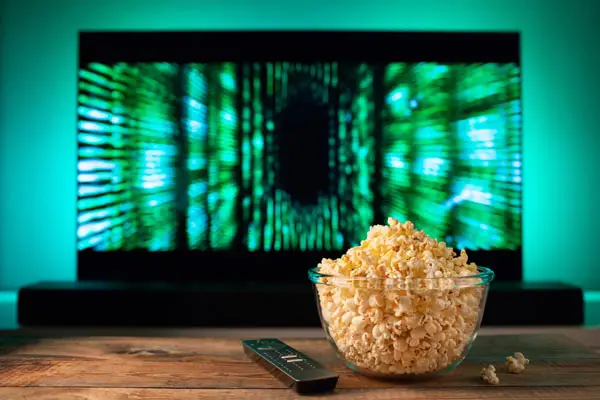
(248, 156)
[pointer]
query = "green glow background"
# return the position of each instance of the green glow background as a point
(561, 144)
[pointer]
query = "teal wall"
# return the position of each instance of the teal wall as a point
(561, 104)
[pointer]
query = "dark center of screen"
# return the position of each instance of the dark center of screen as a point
(303, 149)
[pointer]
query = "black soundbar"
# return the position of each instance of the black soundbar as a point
(255, 304)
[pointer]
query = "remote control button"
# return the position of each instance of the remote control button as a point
(295, 360)
(289, 356)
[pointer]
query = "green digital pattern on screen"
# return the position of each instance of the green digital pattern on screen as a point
(286, 156)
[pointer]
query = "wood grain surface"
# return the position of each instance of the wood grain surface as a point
(562, 367)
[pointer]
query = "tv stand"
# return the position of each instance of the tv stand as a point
(87, 303)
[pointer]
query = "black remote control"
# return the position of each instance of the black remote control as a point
(291, 367)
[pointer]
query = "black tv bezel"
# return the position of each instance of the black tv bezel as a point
(293, 46)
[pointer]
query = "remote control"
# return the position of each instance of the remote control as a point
(289, 366)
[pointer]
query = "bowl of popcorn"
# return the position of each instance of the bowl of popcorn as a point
(401, 304)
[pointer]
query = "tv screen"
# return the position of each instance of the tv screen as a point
(239, 155)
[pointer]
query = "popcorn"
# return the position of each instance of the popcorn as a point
(393, 305)
(516, 363)
(488, 374)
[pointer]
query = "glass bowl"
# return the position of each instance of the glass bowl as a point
(401, 328)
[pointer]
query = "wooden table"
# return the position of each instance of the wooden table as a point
(563, 366)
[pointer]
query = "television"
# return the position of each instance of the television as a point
(248, 156)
